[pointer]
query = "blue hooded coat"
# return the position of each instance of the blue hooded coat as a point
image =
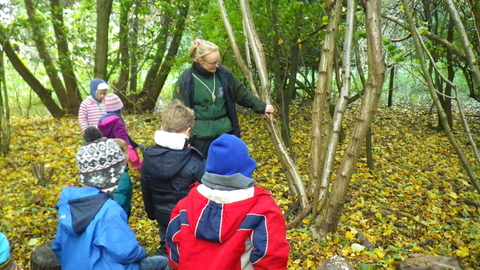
(93, 233)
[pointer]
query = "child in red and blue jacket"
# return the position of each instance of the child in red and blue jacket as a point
(228, 222)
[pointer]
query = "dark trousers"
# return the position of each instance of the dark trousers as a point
(162, 221)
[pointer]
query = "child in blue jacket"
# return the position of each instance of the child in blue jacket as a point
(92, 230)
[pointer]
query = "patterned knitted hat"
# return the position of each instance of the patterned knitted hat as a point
(101, 163)
(113, 103)
(228, 155)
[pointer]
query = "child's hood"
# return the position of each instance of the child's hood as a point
(78, 206)
(95, 85)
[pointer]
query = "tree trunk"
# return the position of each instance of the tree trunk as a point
(293, 177)
(134, 50)
(73, 94)
(288, 94)
(321, 129)
(328, 218)
(5, 127)
(124, 50)
(467, 46)
(476, 16)
(104, 9)
(43, 258)
(158, 74)
(390, 86)
(39, 38)
(43, 93)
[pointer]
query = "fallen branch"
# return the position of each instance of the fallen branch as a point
(364, 241)
(421, 244)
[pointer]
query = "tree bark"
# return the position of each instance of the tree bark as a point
(467, 46)
(329, 217)
(5, 127)
(293, 177)
(51, 70)
(124, 50)
(43, 93)
(73, 94)
(154, 84)
(104, 9)
(321, 131)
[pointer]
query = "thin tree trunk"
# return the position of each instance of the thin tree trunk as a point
(38, 37)
(321, 129)
(340, 107)
(43, 93)
(293, 177)
(5, 127)
(65, 62)
(467, 46)
(390, 86)
(134, 50)
(124, 50)
(166, 64)
(104, 9)
(476, 16)
(369, 149)
(288, 94)
(329, 217)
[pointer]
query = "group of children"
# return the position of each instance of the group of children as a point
(211, 213)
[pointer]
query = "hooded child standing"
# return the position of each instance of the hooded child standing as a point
(93, 106)
(228, 222)
(112, 126)
(92, 230)
(170, 167)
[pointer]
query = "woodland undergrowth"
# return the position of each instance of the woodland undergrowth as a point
(417, 199)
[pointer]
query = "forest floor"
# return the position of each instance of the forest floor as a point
(418, 199)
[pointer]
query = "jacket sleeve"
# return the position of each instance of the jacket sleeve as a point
(147, 195)
(271, 248)
(121, 195)
(174, 227)
(177, 92)
(56, 246)
(119, 240)
(245, 98)
(82, 116)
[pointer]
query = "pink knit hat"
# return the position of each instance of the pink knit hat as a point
(113, 103)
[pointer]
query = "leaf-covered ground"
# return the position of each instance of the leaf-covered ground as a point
(417, 200)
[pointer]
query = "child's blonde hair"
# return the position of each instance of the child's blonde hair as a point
(177, 117)
(123, 145)
(200, 48)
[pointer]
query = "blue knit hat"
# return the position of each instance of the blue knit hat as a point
(228, 155)
(95, 85)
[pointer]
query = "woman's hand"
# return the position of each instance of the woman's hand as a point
(269, 110)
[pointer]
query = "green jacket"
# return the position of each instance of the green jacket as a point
(233, 93)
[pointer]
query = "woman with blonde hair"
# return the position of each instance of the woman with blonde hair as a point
(211, 90)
